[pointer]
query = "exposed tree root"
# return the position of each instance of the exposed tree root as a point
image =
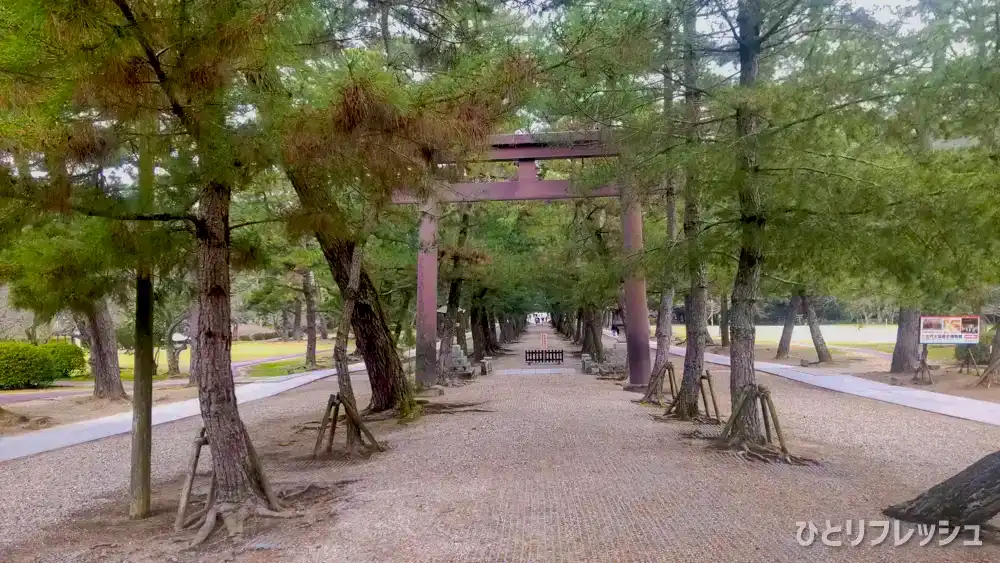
(762, 452)
(233, 517)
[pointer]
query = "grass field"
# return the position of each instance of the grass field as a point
(242, 351)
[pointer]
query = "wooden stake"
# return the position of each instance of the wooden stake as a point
(353, 414)
(711, 391)
(673, 382)
(322, 426)
(777, 425)
(704, 396)
(736, 413)
(199, 441)
(333, 423)
(767, 422)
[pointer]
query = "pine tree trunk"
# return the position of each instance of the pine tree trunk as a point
(822, 352)
(785, 343)
(193, 339)
(104, 353)
(724, 322)
(309, 296)
(578, 327)
(747, 427)
(340, 348)
(323, 325)
(994, 364)
(906, 353)
(140, 487)
(696, 300)
(173, 358)
(478, 331)
(402, 316)
(286, 323)
(239, 480)
(972, 497)
(592, 336)
(297, 320)
(463, 327)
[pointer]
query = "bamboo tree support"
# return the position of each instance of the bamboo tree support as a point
(180, 521)
(770, 419)
(969, 363)
(706, 380)
(330, 418)
(673, 381)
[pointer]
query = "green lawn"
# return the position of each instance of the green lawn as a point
(241, 351)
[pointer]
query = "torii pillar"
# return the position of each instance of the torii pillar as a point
(636, 308)
(525, 150)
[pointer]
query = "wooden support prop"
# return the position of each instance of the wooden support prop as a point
(774, 418)
(199, 442)
(330, 418)
(351, 412)
(767, 421)
(923, 373)
(673, 380)
(322, 426)
(707, 380)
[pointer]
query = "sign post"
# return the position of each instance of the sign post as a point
(944, 330)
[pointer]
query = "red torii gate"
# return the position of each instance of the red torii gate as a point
(525, 150)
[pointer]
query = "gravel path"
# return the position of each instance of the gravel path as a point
(566, 468)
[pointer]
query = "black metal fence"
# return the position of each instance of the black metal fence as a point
(543, 356)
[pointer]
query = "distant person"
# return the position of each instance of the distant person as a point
(614, 330)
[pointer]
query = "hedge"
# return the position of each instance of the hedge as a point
(24, 366)
(68, 358)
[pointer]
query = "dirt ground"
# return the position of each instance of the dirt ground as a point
(17, 418)
(285, 447)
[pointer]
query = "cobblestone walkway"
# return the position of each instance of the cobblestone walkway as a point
(568, 469)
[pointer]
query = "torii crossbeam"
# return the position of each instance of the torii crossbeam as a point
(525, 150)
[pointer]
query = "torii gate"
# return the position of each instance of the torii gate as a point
(525, 150)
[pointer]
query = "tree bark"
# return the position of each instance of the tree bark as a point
(747, 427)
(140, 486)
(321, 323)
(785, 343)
(906, 353)
(822, 352)
(994, 364)
(390, 388)
(696, 300)
(476, 316)
(972, 497)
(340, 348)
(286, 323)
(463, 327)
(592, 335)
(193, 339)
(402, 316)
(297, 320)
(309, 296)
(454, 298)
(665, 311)
(694, 353)
(724, 321)
(239, 479)
(173, 358)
(104, 352)
(142, 397)
(578, 327)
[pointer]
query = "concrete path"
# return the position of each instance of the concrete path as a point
(950, 405)
(39, 441)
(71, 388)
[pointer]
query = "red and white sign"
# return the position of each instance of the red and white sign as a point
(949, 330)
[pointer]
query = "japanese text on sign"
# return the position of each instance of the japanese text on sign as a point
(949, 330)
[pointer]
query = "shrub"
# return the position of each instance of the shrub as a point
(264, 336)
(24, 366)
(981, 351)
(68, 358)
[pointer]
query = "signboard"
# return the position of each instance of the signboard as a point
(949, 330)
